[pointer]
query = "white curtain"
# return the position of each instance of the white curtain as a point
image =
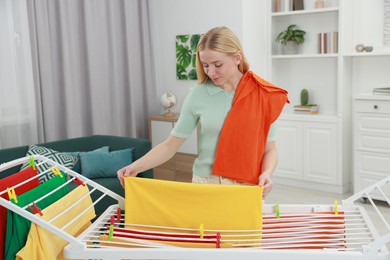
(18, 125)
(93, 68)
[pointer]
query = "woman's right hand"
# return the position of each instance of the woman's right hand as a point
(127, 171)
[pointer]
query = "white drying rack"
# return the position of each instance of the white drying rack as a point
(301, 232)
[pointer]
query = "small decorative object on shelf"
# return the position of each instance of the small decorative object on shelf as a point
(305, 107)
(362, 48)
(320, 4)
(290, 38)
(168, 101)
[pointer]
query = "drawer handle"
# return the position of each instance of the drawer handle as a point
(375, 106)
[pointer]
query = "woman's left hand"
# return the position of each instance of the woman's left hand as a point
(266, 182)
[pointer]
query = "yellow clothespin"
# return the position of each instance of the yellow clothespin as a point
(277, 209)
(56, 171)
(12, 195)
(32, 162)
(201, 231)
(336, 207)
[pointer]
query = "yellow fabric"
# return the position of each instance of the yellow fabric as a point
(41, 243)
(118, 240)
(188, 205)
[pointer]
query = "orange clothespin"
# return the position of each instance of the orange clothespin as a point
(201, 231)
(56, 171)
(111, 233)
(35, 209)
(118, 215)
(78, 181)
(32, 163)
(336, 207)
(218, 243)
(12, 195)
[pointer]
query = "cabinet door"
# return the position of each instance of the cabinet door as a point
(160, 131)
(288, 143)
(371, 167)
(320, 153)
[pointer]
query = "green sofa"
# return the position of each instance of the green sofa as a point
(85, 144)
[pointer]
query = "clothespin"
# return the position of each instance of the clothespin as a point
(118, 215)
(336, 207)
(277, 209)
(218, 243)
(56, 171)
(32, 162)
(35, 209)
(12, 195)
(111, 233)
(201, 231)
(78, 181)
(112, 220)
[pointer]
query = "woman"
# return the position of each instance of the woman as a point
(227, 145)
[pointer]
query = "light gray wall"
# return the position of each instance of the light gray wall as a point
(174, 17)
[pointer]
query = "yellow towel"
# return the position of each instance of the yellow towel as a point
(41, 243)
(188, 205)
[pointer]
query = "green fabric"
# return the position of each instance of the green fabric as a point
(208, 105)
(18, 226)
(105, 165)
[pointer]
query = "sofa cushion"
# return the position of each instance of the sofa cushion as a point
(105, 165)
(77, 167)
(64, 159)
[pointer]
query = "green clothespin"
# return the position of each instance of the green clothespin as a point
(277, 211)
(32, 162)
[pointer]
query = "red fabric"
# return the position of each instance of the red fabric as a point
(9, 182)
(256, 105)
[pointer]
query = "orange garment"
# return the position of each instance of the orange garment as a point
(256, 105)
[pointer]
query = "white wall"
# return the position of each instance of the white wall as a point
(174, 17)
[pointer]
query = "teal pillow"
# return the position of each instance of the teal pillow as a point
(105, 165)
(77, 167)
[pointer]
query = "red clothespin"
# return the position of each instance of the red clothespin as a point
(56, 171)
(218, 243)
(112, 220)
(78, 181)
(118, 215)
(32, 162)
(12, 195)
(35, 209)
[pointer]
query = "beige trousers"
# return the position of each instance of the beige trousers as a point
(216, 180)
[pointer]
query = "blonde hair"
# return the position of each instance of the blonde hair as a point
(220, 39)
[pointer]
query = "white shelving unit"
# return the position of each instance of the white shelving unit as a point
(317, 151)
(371, 113)
(314, 150)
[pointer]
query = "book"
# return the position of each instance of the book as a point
(309, 109)
(328, 42)
(298, 5)
(381, 91)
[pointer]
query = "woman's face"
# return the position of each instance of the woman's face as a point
(220, 67)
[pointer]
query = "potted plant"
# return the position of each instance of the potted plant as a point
(290, 38)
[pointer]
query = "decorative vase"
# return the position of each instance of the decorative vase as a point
(290, 47)
(320, 4)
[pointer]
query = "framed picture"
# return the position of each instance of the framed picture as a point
(186, 56)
